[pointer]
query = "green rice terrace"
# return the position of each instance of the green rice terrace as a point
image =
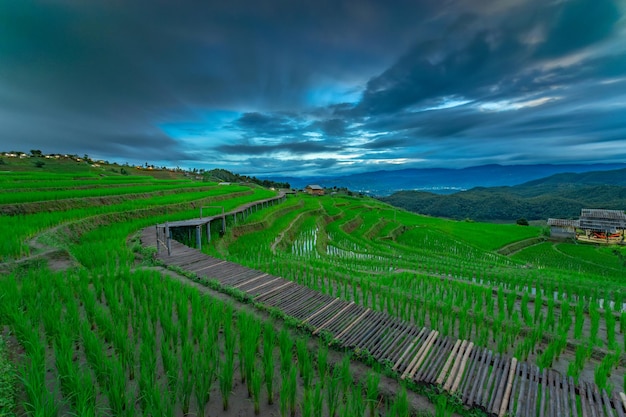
(111, 304)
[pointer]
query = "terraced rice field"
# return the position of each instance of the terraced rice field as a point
(94, 329)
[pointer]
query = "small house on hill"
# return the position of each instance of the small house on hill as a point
(563, 228)
(594, 225)
(314, 189)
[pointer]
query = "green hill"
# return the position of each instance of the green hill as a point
(561, 195)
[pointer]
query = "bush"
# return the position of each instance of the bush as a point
(522, 221)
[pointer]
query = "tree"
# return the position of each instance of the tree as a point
(522, 221)
(39, 164)
(35, 152)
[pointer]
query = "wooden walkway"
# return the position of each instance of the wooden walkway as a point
(498, 384)
(163, 233)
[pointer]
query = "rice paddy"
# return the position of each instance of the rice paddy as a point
(120, 338)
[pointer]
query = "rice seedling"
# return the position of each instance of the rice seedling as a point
(442, 407)
(186, 379)
(268, 360)
(204, 375)
(594, 315)
(170, 367)
(307, 403)
(609, 320)
(580, 319)
(286, 354)
(249, 333)
(322, 361)
(345, 375)
(283, 397)
(39, 401)
(356, 403)
(332, 391)
(227, 371)
(292, 391)
(307, 371)
(84, 396)
(400, 407)
(117, 393)
(318, 399)
(574, 368)
(256, 382)
(302, 353)
(604, 369)
(373, 379)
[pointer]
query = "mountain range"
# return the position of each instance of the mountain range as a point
(559, 195)
(444, 180)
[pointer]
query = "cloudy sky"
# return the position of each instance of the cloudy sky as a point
(315, 87)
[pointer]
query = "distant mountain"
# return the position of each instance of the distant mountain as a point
(560, 195)
(613, 177)
(444, 180)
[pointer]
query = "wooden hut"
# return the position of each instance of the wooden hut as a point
(314, 189)
(594, 225)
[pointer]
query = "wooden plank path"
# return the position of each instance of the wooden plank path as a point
(163, 231)
(498, 384)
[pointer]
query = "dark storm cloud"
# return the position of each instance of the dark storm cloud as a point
(328, 83)
(389, 143)
(268, 124)
(298, 148)
(480, 59)
(579, 23)
(331, 127)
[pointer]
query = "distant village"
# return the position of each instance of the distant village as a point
(221, 175)
(85, 158)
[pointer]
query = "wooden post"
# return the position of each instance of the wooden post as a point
(509, 386)
(461, 369)
(156, 227)
(168, 237)
(449, 379)
(199, 236)
(208, 231)
(444, 371)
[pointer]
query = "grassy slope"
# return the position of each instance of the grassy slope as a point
(367, 236)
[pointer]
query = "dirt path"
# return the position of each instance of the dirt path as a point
(58, 259)
(280, 237)
(532, 241)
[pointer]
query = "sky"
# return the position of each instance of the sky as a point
(295, 87)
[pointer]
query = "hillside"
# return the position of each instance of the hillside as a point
(560, 195)
(445, 180)
(84, 283)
